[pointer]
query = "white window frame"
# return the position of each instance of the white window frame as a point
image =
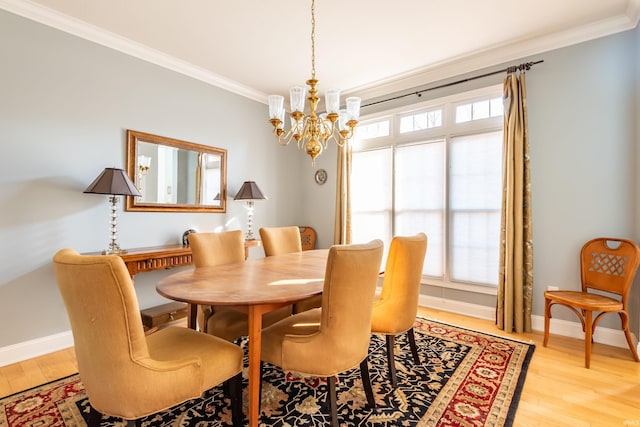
(395, 138)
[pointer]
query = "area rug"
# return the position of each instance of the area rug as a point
(466, 378)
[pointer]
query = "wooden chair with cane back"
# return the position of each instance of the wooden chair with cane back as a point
(308, 237)
(607, 269)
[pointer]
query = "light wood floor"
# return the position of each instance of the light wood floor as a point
(558, 390)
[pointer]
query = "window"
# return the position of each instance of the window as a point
(373, 130)
(439, 176)
(423, 120)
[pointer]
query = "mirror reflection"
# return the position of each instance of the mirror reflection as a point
(174, 175)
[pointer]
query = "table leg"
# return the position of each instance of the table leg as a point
(192, 311)
(255, 343)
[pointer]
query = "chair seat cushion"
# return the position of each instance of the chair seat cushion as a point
(584, 300)
(219, 358)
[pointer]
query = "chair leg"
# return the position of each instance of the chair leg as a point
(366, 382)
(391, 360)
(624, 317)
(235, 390)
(260, 393)
(331, 383)
(588, 338)
(547, 317)
(94, 417)
(412, 345)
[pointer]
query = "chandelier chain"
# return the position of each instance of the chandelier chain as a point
(313, 39)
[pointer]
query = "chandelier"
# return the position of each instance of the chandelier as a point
(313, 131)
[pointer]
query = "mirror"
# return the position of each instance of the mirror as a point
(174, 175)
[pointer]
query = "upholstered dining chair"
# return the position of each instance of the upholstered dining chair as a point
(280, 240)
(125, 373)
(326, 341)
(608, 267)
(395, 311)
(284, 240)
(227, 247)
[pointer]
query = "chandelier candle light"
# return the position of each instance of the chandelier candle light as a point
(313, 132)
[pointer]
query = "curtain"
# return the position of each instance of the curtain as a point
(515, 281)
(200, 171)
(342, 224)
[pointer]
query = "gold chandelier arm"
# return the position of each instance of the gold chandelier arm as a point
(284, 138)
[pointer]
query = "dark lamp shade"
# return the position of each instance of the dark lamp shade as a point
(249, 191)
(113, 181)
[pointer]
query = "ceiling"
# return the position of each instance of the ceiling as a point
(259, 47)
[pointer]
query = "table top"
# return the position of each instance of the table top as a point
(276, 279)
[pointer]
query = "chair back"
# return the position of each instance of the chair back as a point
(105, 320)
(211, 249)
(397, 307)
(280, 240)
(350, 281)
(307, 237)
(609, 264)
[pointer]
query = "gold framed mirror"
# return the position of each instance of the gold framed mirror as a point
(174, 175)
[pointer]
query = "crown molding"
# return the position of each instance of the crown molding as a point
(68, 24)
(493, 56)
(499, 54)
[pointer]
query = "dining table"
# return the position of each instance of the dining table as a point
(256, 286)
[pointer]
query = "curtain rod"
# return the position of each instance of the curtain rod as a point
(512, 69)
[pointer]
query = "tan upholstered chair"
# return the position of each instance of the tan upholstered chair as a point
(125, 373)
(280, 240)
(284, 240)
(607, 266)
(396, 309)
(210, 249)
(326, 341)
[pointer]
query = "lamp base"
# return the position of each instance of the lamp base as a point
(114, 252)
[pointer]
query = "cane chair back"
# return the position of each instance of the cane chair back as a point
(308, 237)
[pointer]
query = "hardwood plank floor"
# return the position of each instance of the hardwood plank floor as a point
(558, 390)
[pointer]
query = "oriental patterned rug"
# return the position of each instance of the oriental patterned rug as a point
(466, 378)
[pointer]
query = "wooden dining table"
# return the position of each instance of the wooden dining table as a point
(255, 287)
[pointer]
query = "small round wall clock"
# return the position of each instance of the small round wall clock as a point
(321, 176)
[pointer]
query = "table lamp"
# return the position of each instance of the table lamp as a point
(115, 182)
(249, 192)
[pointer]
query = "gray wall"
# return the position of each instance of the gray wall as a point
(66, 104)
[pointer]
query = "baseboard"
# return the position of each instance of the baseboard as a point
(458, 307)
(29, 349)
(38, 347)
(613, 337)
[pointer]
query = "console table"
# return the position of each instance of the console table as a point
(164, 257)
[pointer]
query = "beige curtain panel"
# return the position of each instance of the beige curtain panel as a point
(515, 282)
(342, 225)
